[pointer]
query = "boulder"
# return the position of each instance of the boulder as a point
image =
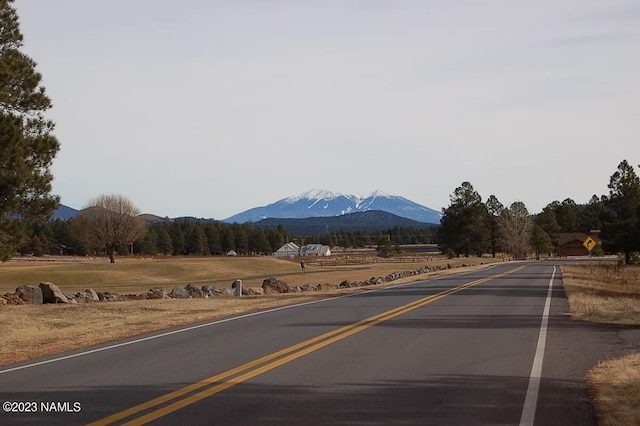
(79, 297)
(208, 290)
(108, 296)
(310, 287)
(348, 284)
(87, 296)
(156, 293)
(273, 285)
(3, 301)
(226, 292)
(30, 295)
(253, 291)
(194, 291)
(51, 293)
(92, 296)
(179, 293)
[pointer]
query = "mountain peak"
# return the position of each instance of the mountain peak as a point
(323, 203)
(313, 194)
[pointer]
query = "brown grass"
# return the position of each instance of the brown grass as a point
(615, 388)
(138, 275)
(610, 294)
(30, 331)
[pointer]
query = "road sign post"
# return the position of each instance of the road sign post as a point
(590, 243)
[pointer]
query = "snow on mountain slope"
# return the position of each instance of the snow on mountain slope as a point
(318, 203)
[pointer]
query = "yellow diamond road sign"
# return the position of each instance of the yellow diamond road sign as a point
(589, 243)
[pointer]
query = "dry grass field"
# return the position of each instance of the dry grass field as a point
(31, 331)
(139, 274)
(611, 294)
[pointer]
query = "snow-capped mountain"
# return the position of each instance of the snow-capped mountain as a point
(318, 203)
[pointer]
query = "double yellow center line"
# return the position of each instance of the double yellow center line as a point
(188, 395)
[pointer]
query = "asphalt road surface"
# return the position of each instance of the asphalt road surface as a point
(491, 347)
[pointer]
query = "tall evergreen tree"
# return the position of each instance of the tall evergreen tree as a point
(568, 215)
(549, 223)
(494, 210)
(213, 238)
(540, 241)
(165, 245)
(27, 145)
(592, 213)
(196, 241)
(463, 227)
(621, 224)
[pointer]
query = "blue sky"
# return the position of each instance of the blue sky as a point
(209, 108)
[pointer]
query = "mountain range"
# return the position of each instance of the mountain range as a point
(318, 203)
(322, 203)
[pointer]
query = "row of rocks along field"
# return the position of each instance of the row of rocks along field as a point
(47, 292)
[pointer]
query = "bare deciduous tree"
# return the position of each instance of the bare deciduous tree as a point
(109, 222)
(516, 226)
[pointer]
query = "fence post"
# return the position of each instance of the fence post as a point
(237, 284)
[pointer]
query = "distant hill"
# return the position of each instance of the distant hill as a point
(321, 203)
(64, 212)
(368, 221)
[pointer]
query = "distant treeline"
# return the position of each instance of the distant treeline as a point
(207, 237)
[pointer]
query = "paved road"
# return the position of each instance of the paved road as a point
(457, 350)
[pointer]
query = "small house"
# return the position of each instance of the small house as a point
(571, 243)
(288, 250)
(315, 250)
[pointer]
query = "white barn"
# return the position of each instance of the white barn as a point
(287, 250)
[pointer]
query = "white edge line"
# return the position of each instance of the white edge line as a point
(531, 400)
(169, 333)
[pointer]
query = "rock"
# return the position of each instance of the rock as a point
(156, 293)
(226, 292)
(273, 285)
(3, 301)
(79, 297)
(12, 299)
(194, 291)
(310, 287)
(87, 296)
(253, 291)
(208, 290)
(30, 295)
(179, 293)
(92, 296)
(108, 296)
(347, 284)
(51, 293)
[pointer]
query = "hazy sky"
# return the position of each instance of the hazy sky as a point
(209, 108)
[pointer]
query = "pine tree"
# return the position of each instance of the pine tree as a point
(621, 224)
(494, 210)
(27, 146)
(463, 227)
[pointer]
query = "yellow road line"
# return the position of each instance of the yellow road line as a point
(271, 361)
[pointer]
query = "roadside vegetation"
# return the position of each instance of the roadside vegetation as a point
(610, 295)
